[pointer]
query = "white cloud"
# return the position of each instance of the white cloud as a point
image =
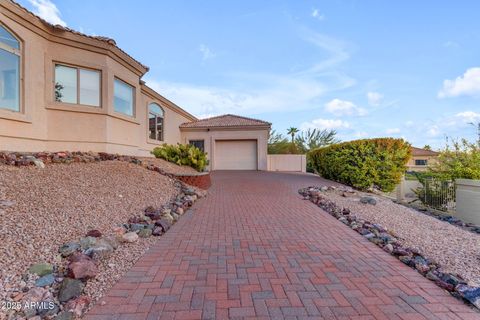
(255, 93)
(317, 15)
(433, 131)
(325, 124)
(392, 131)
(342, 107)
(467, 84)
(409, 124)
(468, 116)
(48, 11)
(207, 53)
(374, 98)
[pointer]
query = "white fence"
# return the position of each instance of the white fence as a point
(287, 162)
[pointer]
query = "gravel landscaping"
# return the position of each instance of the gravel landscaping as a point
(41, 209)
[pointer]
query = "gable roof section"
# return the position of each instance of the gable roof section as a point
(423, 152)
(226, 121)
(49, 31)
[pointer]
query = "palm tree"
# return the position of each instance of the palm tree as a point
(292, 131)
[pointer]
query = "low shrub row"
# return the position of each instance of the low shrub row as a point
(363, 164)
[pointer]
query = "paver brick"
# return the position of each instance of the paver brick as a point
(254, 249)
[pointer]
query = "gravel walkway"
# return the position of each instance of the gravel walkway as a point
(41, 209)
(457, 250)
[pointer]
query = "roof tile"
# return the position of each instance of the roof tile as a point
(227, 120)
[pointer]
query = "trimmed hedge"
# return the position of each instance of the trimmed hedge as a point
(363, 164)
(183, 155)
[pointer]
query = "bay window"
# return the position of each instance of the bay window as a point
(9, 71)
(123, 97)
(77, 85)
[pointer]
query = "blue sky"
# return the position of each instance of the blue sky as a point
(406, 69)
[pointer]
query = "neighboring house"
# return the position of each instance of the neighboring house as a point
(64, 90)
(421, 159)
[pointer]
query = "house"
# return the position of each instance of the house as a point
(421, 159)
(64, 90)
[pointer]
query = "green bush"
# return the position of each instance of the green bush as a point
(183, 155)
(363, 164)
(461, 160)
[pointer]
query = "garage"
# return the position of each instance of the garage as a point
(231, 142)
(236, 155)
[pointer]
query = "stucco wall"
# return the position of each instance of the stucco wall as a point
(287, 162)
(468, 200)
(411, 163)
(210, 136)
(44, 124)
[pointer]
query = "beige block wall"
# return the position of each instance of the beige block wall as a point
(44, 124)
(209, 137)
(287, 162)
(468, 200)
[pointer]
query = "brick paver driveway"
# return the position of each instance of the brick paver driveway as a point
(254, 249)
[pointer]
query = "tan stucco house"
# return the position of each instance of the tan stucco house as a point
(64, 90)
(421, 159)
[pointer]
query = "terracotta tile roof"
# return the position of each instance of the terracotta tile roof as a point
(107, 40)
(227, 120)
(423, 152)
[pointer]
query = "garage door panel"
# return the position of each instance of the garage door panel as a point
(236, 155)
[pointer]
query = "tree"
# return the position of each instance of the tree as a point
(427, 147)
(313, 139)
(292, 131)
(477, 126)
(461, 160)
(278, 144)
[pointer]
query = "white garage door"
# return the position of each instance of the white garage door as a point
(236, 155)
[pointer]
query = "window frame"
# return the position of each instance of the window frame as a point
(77, 68)
(194, 140)
(156, 115)
(20, 53)
(424, 162)
(134, 98)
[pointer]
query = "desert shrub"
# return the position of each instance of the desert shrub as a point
(182, 154)
(460, 160)
(363, 164)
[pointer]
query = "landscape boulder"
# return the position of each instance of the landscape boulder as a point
(87, 242)
(69, 248)
(130, 237)
(45, 281)
(78, 305)
(41, 269)
(94, 233)
(471, 294)
(368, 200)
(82, 269)
(69, 289)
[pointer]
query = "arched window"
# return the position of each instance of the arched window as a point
(155, 122)
(9, 71)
